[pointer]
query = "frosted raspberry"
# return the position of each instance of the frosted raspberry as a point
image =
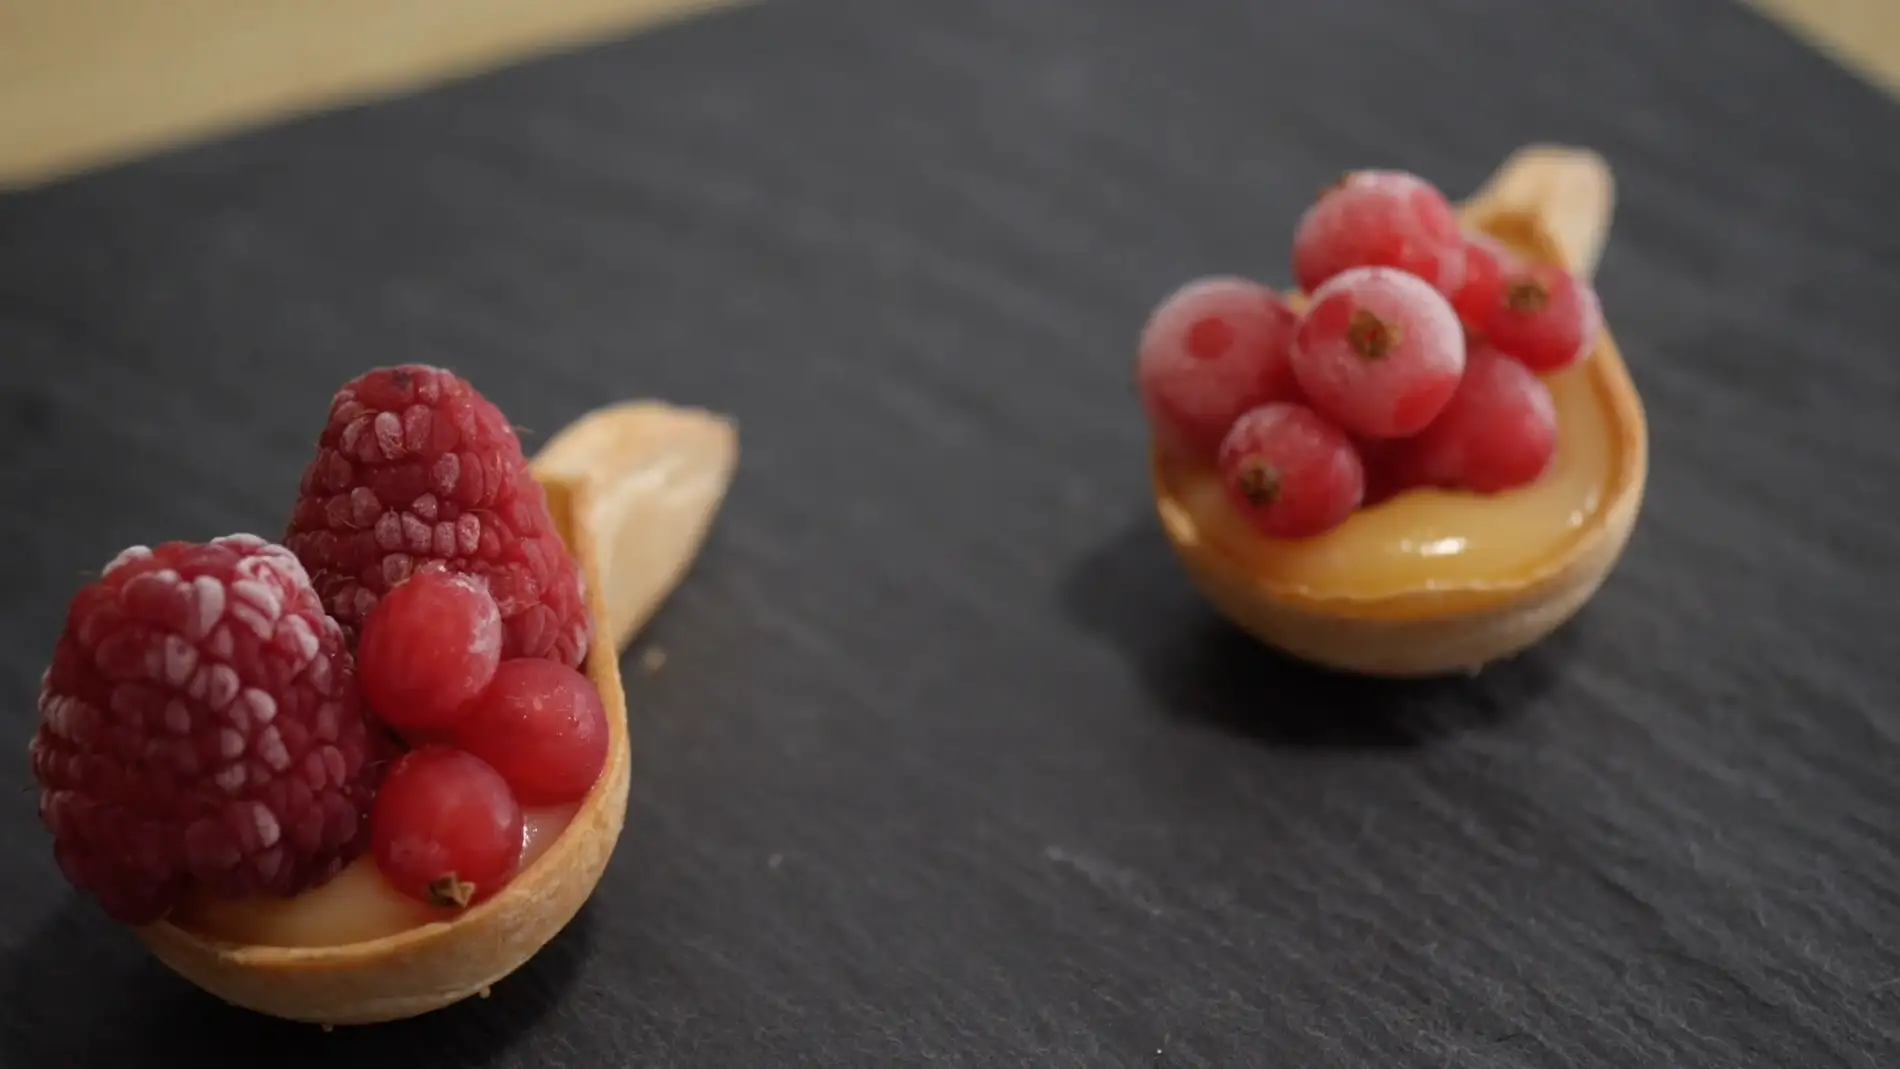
(200, 727)
(416, 466)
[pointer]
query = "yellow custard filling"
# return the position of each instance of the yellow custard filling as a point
(1428, 539)
(356, 906)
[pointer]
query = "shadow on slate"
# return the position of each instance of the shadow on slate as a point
(947, 765)
(90, 1002)
(1201, 668)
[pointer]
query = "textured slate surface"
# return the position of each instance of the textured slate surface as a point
(947, 766)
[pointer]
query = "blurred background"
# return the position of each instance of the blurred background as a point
(83, 82)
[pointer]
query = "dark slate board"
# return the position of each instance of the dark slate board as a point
(947, 765)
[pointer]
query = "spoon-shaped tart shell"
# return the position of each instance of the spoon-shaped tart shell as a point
(434, 965)
(1551, 204)
(689, 457)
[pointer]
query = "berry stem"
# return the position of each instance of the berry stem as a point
(451, 892)
(1260, 482)
(1372, 337)
(1526, 295)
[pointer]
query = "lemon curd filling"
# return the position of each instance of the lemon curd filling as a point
(1431, 539)
(357, 905)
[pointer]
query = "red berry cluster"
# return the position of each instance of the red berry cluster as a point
(206, 725)
(1415, 362)
(491, 736)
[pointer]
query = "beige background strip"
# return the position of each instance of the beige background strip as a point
(87, 82)
(1864, 35)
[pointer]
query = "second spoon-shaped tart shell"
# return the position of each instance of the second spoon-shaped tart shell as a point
(1548, 204)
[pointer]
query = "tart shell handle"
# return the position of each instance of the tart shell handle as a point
(1569, 192)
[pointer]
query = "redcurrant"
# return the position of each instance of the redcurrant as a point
(445, 829)
(1544, 317)
(428, 646)
(542, 726)
(1380, 219)
(1499, 431)
(1379, 352)
(1290, 472)
(1213, 349)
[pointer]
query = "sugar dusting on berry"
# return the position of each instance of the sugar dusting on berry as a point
(415, 466)
(1378, 351)
(1380, 219)
(1210, 351)
(1290, 471)
(200, 728)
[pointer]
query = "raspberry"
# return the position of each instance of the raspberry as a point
(428, 647)
(1380, 219)
(446, 829)
(1290, 472)
(1379, 351)
(1499, 432)
(542, 726)
(415, 466)
(1486, 262)
(200, 727)
(1545, 317)
(1213, 349)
